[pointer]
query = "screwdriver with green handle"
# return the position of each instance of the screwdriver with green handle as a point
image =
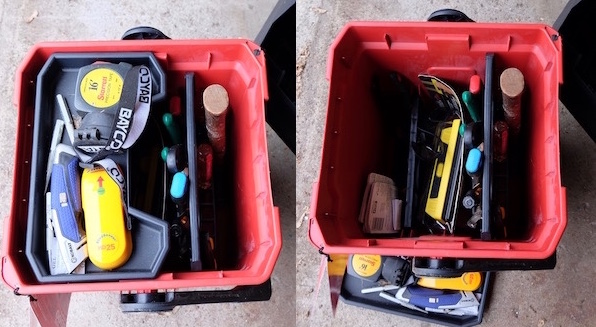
(172, 128)
(472, 105)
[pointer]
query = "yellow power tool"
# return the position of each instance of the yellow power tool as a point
(108, 238)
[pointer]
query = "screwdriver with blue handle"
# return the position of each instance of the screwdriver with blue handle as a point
(471, 199)
(474, 165)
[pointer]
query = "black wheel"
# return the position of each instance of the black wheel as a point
(448, 15)
(144, 33)
(430, 267)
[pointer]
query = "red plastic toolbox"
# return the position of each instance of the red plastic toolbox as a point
(236, 64)
(354, 146)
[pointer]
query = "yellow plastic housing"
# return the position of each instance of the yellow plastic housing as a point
(108, 240)
(469, 281)
(442, 171)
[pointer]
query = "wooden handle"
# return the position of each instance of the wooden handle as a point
(204, 165)
(512, 87)
(216, 102)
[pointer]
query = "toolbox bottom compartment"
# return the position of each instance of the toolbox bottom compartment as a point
(351, 294)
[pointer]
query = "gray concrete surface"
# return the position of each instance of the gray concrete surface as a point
(107, 20)
(561, 297)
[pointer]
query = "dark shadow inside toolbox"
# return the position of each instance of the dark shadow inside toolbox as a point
(154, 250)
(215, 204)
(578, 92)
(382, 137)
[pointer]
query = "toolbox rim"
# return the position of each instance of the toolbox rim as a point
(256, 274)
(427, 245)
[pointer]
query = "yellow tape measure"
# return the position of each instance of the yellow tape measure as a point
(365, 266)
(100, 86)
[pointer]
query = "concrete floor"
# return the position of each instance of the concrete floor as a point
(561, 297)
(108, 20)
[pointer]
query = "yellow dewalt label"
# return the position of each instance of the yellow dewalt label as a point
(366, 265)
(101, 87)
